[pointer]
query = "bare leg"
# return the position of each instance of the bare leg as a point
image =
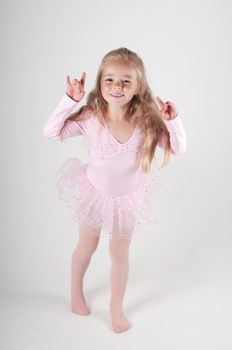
(81, 257)
(119, 252)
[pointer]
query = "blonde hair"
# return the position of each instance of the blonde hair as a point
(143, 108)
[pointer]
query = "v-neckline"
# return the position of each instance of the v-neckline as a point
(114, 138)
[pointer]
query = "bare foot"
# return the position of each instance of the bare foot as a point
(119, 322)
(79, 307)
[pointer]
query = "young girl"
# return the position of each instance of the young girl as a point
(123, 125)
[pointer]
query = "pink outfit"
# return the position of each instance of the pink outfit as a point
(110, 193)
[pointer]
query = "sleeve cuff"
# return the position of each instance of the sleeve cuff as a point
(69, 97)
(174, 124)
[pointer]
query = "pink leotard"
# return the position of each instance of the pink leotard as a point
(112, 166)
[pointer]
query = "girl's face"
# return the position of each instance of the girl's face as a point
(118, 83)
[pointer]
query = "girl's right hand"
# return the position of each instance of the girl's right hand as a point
(76, 89)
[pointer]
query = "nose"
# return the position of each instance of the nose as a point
(117, 86)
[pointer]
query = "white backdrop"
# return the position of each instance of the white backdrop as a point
(179, 288)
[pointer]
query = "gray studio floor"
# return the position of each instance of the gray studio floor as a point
(163, 317)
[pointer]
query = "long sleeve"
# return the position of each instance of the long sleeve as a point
(56, 120)
(177, 133)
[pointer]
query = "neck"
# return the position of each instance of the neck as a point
(117, 113)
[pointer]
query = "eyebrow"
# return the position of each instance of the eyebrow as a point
(125, 76)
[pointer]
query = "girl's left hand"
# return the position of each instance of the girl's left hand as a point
(168, 109)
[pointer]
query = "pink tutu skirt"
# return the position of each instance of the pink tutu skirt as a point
(120, 216)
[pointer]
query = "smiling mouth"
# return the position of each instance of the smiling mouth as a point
(116, 95)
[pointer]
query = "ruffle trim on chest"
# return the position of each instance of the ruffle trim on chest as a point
(103, 145)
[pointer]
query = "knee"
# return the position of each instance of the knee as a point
(85, 251)
(118, 254)
(82, 256)
(91, 248)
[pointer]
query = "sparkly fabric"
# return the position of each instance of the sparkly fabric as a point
(118, 215)
(111, 193)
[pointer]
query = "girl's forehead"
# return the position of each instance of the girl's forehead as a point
(118, 68)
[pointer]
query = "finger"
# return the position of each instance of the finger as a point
(75, 81)
(166, 106)
(68, 80)
(83, 77)
(161, 103)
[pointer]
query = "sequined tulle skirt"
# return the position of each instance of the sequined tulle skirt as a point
(120, 216)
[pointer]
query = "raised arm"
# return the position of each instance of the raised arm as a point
(56, 124)
(177, 134)
(174, 125)
(56, 120)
